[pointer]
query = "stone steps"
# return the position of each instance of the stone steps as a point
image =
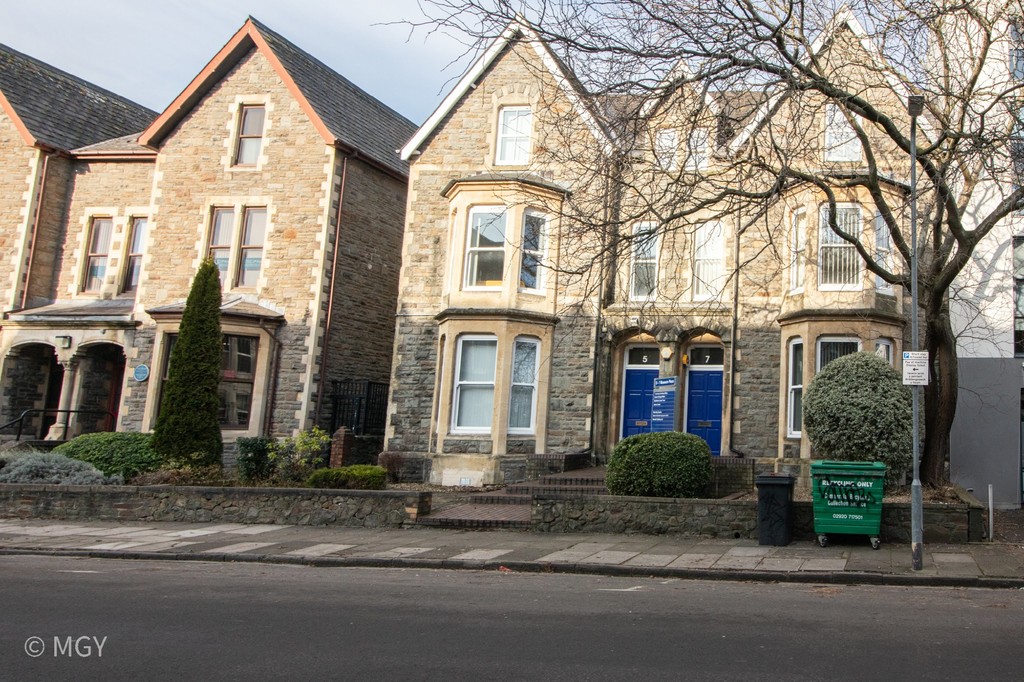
(480, 516)
(510, 508)
(535, 489)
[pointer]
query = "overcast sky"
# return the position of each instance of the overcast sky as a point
(149, 50)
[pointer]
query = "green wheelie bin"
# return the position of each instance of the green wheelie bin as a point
(847, 498)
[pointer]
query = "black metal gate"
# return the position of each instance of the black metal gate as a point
(359, 405)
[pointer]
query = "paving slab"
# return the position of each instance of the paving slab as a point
(255, 529)
(772, 563)
(750, 551)
(399, 552)
(652, 560)
(319, 550)
(238, 548)
(481, 554)
(824, 565)
(737, 562)
(695, 561)
(609, 557)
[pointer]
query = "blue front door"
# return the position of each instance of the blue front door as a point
(637, 399)
(704, 407)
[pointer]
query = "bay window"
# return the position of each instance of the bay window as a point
(474, 384)
(485, 247)
(522, 401)
(838, 260)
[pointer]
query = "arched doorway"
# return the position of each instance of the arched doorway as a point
(640, 369)
(31, 380)
(703, 405)
(98, 391)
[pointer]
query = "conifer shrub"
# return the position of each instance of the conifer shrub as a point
(187, 429)
(126, 454)
(55, 469)
(666, 464)
(858, 410)
(355, 477)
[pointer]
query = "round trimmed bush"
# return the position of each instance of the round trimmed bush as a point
(858, 410)
(49, 467)
(113, 452)
(666, 464)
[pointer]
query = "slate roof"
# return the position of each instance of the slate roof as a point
(355, 118)
(127, 144)
(64, 111)
(77, 310)
(231, 307)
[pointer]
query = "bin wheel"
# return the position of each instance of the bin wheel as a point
(875, 543)
(823, 540)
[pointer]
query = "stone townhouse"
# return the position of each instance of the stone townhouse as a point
(271, 163)
(544, 317)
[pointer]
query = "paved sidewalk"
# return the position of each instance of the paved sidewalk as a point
(848, 560)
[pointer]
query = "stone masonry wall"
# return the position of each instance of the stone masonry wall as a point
(412, 385)
(138, 351)
(730, 518)
(572, 370)
(50, 235)
(353, 508)
(756, 396)
(16, 177)
(117, 190)
(366, 285)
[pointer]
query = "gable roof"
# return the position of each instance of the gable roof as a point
(342, 113)
(844, 18)
(52, 108)
(568, 83)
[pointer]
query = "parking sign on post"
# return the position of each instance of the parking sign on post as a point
(915, 368)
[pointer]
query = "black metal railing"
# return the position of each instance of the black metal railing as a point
(359, 405)
(108, 422)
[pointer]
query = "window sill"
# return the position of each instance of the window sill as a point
(840, 287)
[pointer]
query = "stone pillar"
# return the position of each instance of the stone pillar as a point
(342, 443)
(59, 430)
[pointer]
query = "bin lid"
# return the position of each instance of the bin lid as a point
(774, 479)
(831, 466)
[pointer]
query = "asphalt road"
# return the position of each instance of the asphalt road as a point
(127, 620)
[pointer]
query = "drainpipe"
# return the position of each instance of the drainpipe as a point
(35, 233)
(275, 365)
(330, 296)
(740, 229)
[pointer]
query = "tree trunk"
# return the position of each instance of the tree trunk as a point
(940, 395)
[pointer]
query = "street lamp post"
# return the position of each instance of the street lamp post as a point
(915, 106)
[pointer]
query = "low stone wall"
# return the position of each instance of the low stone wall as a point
(733, 519)
(294, 506)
